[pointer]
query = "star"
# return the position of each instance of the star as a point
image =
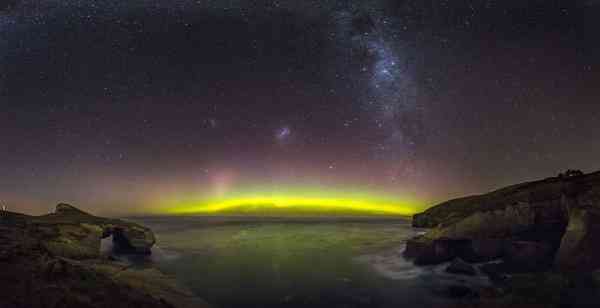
(283, 133)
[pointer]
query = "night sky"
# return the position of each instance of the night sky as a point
(118, 105)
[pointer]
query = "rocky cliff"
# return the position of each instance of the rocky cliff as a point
(542, 237)
(54, 260)
(552, 222)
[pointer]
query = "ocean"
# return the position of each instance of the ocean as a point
(246, 262)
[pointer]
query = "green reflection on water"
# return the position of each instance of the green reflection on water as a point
(274, 264)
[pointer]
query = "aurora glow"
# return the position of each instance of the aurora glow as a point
(290, 204)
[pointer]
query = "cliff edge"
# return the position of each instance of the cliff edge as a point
(536, 241)
(552, 223)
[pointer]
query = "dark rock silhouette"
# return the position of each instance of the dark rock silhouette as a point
(6, 5)
(570, 174)
(461, 267)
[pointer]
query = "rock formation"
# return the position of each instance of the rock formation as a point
(72, 233)
(542, 237)
(7, 5)
(54, 261)
(461, 267)
(536, 225)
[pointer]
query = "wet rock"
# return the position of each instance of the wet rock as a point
(461, 267)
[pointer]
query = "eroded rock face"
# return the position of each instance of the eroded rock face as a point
(431, 251)
(128, 237)
(72, 240)
(580, 246)
(483, 250)
(75, 234)
(53, 261)
(528, 225)
(132, 240)
(488, 235)
(579, 250)
(544, 194)
(528, 255)
(500, 223)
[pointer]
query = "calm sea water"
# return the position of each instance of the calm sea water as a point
(278, 263)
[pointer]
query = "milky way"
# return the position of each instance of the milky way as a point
(119, 105)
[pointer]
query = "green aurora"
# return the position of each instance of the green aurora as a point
(295, 203)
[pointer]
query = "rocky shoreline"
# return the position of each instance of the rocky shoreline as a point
(536, 242)
(54, 260)
(542, 237)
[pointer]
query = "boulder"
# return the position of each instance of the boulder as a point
(461, 267)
